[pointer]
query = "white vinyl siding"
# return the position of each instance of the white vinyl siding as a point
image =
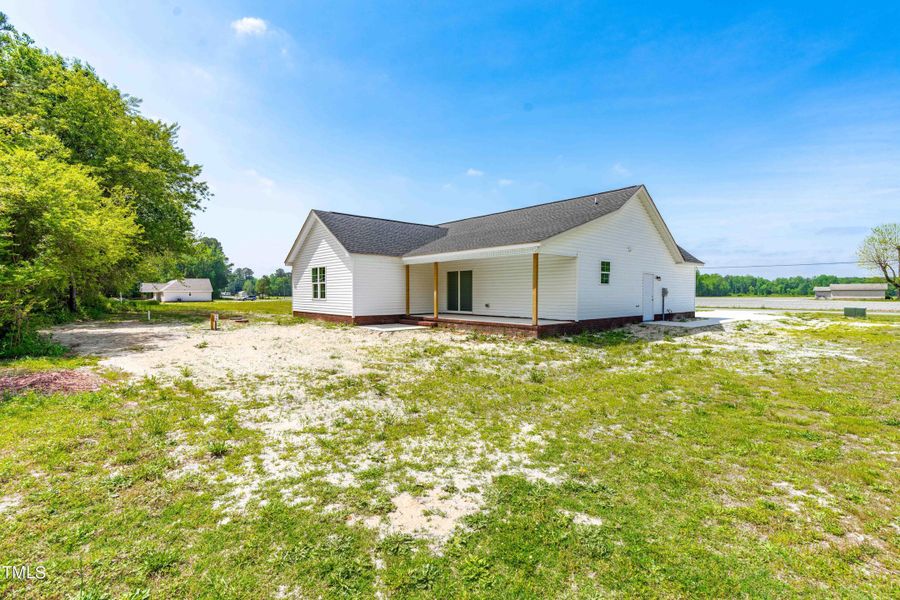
(858, 294)
(321, 249)
(420, 288)
(379, 285)
(185, 296)
(630, 241)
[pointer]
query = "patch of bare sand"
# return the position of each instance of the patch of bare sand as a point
(770, 338)
(219, 357)
(454, 474)
(580, 518)
(457, 476)
(8, 504)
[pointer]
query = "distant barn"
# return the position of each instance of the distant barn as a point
(852, 291)
(179, 290)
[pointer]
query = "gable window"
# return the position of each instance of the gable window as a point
(318, 283)
(605, 268)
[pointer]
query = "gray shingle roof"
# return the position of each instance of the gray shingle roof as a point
(525, 225)
(688, 257)
(367, 235)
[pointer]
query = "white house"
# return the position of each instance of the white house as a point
(590, 262)
(852, 291)
(180, 290)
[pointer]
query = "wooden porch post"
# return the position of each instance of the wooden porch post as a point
(435, 290)
(534, 289)
(407, 290)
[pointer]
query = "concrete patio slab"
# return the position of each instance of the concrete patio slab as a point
(392, 327)
(717, 317)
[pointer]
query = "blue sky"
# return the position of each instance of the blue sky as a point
(765, 134)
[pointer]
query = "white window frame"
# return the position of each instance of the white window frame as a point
(318, 283)
(607, 272)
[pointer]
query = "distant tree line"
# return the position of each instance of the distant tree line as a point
(713, 284)
(274, 284)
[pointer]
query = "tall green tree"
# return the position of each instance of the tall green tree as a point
(237, 279)
(206, 258)
(103, 129)
(91, 189)
(58, 232)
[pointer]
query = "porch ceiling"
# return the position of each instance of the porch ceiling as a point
(481, 253)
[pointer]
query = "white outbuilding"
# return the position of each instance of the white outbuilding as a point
(851, 291)
(179, 290)
(591, 262)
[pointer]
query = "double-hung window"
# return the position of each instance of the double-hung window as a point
(318, 283)
(605, 268)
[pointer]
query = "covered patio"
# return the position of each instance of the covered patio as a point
(499, 290)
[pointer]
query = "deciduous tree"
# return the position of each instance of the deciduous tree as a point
(880, 252)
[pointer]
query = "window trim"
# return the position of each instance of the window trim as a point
(605, 272)
(318, 277)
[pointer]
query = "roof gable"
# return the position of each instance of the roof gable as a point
(525, 225)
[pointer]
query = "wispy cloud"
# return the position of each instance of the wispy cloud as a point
(474, 173)
(619, 170)
(505, 182)
(260, 181)
(249, 26)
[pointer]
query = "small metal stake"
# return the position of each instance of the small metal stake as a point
(148, 315)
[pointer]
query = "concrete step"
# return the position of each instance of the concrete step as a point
(418, 322)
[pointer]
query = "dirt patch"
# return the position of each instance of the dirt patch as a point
(51, 382)
(582, 518)
(433, 516)
(8, 504)
(122, 338)
(222, 358)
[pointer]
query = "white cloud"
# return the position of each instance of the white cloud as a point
(620, 170)
(249, 26)
(505, 181)
(474, 173)
(260, 181)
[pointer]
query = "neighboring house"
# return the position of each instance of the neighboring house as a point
(179, 290)
(590, 262)
(852, 291)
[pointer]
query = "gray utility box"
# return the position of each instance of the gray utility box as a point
(855, 312)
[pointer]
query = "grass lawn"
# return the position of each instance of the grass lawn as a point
(273, 307)
(759, 461)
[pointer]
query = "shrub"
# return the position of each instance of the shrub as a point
(31, 343)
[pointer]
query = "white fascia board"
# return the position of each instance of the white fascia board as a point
(513, 250)
(301, 237)
(661, 226)
(298, 241)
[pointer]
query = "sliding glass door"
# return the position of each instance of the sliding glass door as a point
(459, 291)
